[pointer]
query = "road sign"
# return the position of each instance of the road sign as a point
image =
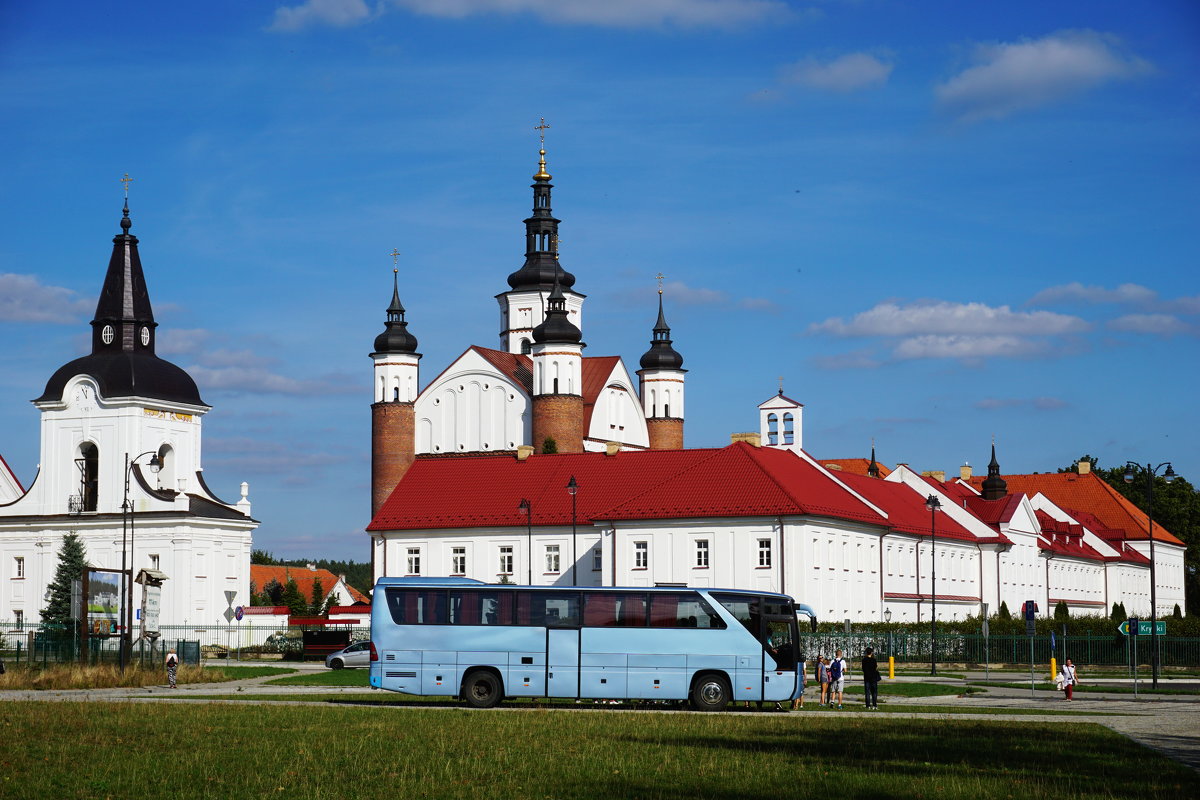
(1029, 608)
(229, 595)
(228, 615)
(1030, 627)
(1144, 627)
(239, 612)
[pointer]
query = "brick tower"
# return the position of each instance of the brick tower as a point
(393, 440)
(661, 378)
(557, 355)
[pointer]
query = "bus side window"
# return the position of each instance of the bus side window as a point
(417, 606)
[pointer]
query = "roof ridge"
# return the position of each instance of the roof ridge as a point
(713, 452)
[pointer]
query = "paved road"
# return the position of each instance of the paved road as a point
(1167, 723)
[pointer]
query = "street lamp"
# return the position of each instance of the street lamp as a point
(572, 489)
(934, 506)
(1168, 476)
(127, 530)
(887, 618)
(527, 509)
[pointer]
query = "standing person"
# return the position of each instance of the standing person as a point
(1069, 678)
(801, 683)
(871, 678)
(837, 677)
(172, 668)
(823, 679)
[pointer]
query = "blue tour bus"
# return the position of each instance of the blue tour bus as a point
(484, 642)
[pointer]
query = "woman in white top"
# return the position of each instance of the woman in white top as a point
(1068, 677)
(172, 668)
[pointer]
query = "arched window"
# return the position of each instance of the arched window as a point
(89, 476)
(166, 472)
(525, 347)
(788, 434)
(396, 394)
(772, 429)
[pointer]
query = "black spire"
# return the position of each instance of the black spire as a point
(541, 269)
(124, 320)
(661, 355)
(122, 361)
(873, 468)
(557, 327)
(994, 487)
(395, 338)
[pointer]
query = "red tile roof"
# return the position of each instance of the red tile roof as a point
(1065, 539)
(1089, 493)
(854, 466)
(906, 508)
(262, 574)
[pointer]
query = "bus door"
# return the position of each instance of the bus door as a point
(780, 647)
(562, 662)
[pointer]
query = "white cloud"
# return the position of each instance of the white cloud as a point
(1125, 294)
(337, 13)
(606, 13)
(181, 341)
(679, 292)
(843, 74)
(1157, 324)
(259, 380)
(855, 359)
(23, 298)
(759, 304)
(968, 348)
(1018, 76)
(949, 319)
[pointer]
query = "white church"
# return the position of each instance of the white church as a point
(121, 423)
(533, 463)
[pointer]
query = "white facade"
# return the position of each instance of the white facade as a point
(522, 311)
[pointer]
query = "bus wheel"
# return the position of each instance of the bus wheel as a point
(710, 693)
(481, 689)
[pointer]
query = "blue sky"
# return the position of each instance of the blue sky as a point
(939, 222)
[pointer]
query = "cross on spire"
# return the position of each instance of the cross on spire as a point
(557, 242)
(127, 180)
(659, 277)
(395, 254)
(541, 129)
(781, 386)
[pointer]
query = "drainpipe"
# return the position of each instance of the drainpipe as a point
(882, 599)
(782, 560)
(918, 551)
(614, 555)
(980, 550)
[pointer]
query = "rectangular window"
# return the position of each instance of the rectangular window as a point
(417, 606)
(702, 554)
(615, 610)
(506, 560)
(641, 555)
(154, 561)
(481, 607)
(552, 559)
(458, 559)
(764, 552)
(597, 560)
(414, 561)
(19, 567)
(19, 616)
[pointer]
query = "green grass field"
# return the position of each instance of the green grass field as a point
(98, 750)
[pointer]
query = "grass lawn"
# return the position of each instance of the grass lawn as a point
(1083, 687)
(914, 689)
(220, 751)
(330, 677)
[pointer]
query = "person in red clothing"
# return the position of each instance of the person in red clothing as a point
(1069, 678)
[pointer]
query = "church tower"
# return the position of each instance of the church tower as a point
(393, 426)
(524, 307)
(661, 387)
(994, 487)
(557, 354)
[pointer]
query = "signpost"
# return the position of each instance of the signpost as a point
(1144, 627)
(1030, 608)
(986, 655)
(1133, 624)
(238, 613)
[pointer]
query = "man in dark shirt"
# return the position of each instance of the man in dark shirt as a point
(871, 678)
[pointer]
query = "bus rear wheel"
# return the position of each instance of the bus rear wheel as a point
(710, 692)
(481, 689)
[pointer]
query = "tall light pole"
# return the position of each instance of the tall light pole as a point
(1168, 476)
(527, 509)
(887, 619)
(932, 503)
(127, 578)
(572, 489)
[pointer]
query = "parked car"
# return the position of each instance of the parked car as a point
(356, 655)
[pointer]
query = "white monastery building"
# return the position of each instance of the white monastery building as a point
(533, 463)
(122, 422)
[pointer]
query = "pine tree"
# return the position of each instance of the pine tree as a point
(272, 593)
(293, 599)
(1004, 613)
(1061, 610)
(72, 561)
(319, 601)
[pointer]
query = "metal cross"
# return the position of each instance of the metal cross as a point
(541, 129)
(781, 385)
(395, 254)
(127, 180)
(557, 242)
(660, 277)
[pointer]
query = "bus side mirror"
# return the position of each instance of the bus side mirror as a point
(812, 624)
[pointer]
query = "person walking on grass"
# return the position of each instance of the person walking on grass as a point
(1068, 678)
(823, 679)
(172, 668)
(801, 683)
(837, 677)
(871, 678)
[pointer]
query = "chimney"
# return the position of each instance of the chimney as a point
(749, 438)
(524, 451)
(964, 472)
(938, 475)
(612, 448)
(1083, 466)
(311, 567)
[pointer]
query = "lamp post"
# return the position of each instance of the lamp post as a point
(527, 509)
(932, 503)
(1168, 476)
(127, 578)
(572, 489)
(887, 619)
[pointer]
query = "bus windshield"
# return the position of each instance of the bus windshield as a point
(771, 620)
